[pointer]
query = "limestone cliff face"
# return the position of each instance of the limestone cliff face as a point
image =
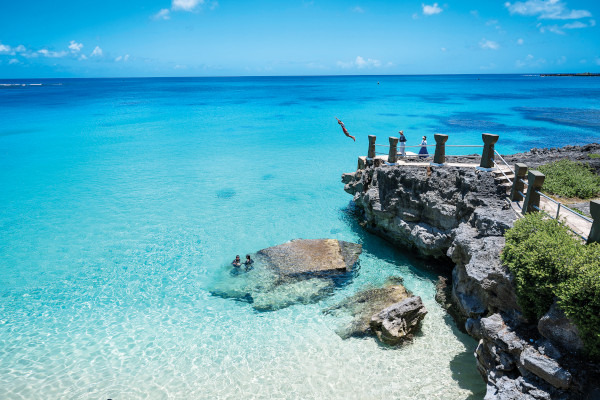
(447, 213)
(460, 214)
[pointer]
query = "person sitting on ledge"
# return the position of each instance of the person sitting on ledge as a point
(248, 263)
(237, 262)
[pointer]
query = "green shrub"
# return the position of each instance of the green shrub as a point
(535, 251)
(579, 296)
(549, 263)
(594, 155)
(570, 179)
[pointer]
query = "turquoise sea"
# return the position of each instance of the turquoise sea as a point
(122, 202)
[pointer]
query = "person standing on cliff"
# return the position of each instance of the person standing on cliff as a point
(423, 152)
(402, 141)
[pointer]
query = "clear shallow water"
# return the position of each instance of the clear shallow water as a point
(123, 200)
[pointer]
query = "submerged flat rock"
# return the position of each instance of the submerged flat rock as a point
(317, 256)
(303, 256)
(296, 272)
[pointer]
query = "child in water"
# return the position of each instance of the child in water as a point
(237, 262)
(248, 263)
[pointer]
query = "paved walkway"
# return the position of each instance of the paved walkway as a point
(572, 220)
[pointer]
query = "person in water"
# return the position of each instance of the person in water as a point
(237, 262)
(423, 152)
(345, 130)
(402, 141)
(248, 263)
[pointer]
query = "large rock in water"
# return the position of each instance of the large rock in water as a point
(390, 313)
(311, 256)
(362, 305)
(297, 272)
(398, 322)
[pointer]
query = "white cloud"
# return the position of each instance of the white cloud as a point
(551, 28)
(575, 25)
(358, 9)
(431, 10)
(530, 61)
(561, 60)
(369, 62)
(520, 41)
(75, 47)
(415, 16)
(443, 49)
(97, 52)
(549, 9)
(185, 5)
(13, 61)
(52, 54)
(488, 44)
(82, 57)
(475, 13)
(162, 14)
(360, 63)
(492, 22)
(6, 49)
(124, 58)
(561, 29)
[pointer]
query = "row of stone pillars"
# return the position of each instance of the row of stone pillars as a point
(439, 157)
(531, 201)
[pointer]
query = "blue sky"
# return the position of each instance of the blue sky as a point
(40, 38)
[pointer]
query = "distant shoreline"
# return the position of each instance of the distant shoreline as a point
(580, 74)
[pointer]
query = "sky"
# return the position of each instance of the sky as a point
(143, 38)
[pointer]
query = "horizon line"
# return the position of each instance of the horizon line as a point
(307, 76)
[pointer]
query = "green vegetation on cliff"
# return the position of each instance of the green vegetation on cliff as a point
(549, 263)
(570, 179)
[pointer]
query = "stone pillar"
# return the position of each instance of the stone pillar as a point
(535, 180)
(439, 157)
(594, 235)
(518, 186)
(487, 157)
(371, 153)
(393, 155)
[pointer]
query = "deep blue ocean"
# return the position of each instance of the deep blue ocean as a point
(122, 202)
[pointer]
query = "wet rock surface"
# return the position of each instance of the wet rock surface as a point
(297, 272)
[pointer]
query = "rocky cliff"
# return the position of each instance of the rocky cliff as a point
(460, 214)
